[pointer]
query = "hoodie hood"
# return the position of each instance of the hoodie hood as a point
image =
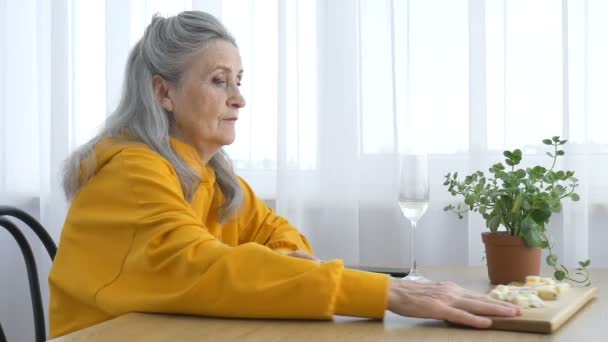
(108, 148)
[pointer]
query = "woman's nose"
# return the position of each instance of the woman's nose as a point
(236, 100)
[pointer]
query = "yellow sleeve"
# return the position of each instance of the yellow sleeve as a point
(173, 264)
(261, 224)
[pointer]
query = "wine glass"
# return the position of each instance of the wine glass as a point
(414, 198)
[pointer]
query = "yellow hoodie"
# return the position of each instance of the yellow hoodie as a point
(131, 242)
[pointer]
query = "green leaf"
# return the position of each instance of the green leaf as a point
(517, 153)
(584, 264)
(575, 197)
(520, 173)
(558, 190)
(447, 182)
(502, 176)
(507, 154)
(556, 207)
(455, 175)
(469, 200)
(509, 162)
(526, 225)
(550, 154)
(540, 204)
(555, 138)
(539, 170)
(532, 237)
(551, 260)
(493, 223)
(547, 142)
(540, 215)
(560, 152)
(559, 275)
(563, 142)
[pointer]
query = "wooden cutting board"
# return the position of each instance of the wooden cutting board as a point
(549, 318)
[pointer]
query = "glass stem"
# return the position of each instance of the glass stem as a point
(413, 256)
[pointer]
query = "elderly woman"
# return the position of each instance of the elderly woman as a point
(159, 222)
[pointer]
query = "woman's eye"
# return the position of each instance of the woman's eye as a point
(218, 81)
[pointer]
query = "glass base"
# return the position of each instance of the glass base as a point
(415, 276)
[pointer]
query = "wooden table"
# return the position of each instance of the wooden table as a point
(590, 324)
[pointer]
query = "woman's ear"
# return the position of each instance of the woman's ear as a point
(161, 90)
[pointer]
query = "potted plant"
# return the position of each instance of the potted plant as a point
(520, 201)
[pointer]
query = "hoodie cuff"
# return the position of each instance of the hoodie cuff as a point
(362, 294)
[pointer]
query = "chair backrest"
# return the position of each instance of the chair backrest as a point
(30, 262)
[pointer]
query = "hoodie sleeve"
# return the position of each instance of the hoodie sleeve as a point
(173, 264)
(261, 224)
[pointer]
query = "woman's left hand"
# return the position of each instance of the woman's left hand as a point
(303, 255)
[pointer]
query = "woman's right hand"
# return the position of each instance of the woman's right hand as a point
(445, 301)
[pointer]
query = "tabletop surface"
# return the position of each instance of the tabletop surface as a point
(587, 325)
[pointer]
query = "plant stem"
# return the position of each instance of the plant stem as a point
(586, 276)
(554, 157)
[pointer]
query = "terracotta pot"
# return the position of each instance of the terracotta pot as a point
(509, 259)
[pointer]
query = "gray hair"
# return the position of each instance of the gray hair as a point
(165, 49)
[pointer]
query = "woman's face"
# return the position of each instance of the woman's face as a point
(206, 101)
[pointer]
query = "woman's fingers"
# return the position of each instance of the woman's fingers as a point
(481, 307)
(488, 299)
(303, 255)
(462, 317)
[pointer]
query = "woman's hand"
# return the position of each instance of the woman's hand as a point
(445, 301)
(303, 255)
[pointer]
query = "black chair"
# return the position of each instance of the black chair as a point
(30, 262)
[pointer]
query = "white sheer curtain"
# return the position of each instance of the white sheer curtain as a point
(335, 89)
(463, 80)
